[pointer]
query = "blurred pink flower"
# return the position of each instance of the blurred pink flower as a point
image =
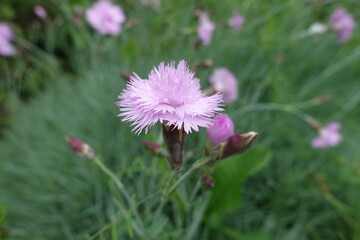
(222, 80)
(236, 21)
(221, 130)
(6, 35)
(106, 17)
(6, 48)
(343, 24)
(170, 95)
(40, 11)
(205, 29)
(6, 32)
(329, 136)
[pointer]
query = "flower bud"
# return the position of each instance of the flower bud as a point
(153, 147)
(204, 63)
(207, 182)
(81, 148)
(221, 130)
(174, 140)
(126, 76)
(40, 12)
(236, 144)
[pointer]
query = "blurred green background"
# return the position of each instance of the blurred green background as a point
(65, 80)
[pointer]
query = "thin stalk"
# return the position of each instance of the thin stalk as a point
(194, 167)
(169, 189)
(164, 194)
(118, 218)
(195, 190)
(291, 109)
(122, 189)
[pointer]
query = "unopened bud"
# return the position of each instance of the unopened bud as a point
(153, 147)
(126, 76)
(81, 148)
(236, 144)
(174, 140)
(207, 182)
(205, 63)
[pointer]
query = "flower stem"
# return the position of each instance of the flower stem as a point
(194, 167)
(164, 194)
(169, 189)
(122, 189)
(291, 109)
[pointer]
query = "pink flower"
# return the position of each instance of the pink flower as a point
(106, 17)
(40, 12)
(236, 21)
(205, 29)
(6, 35)
(343, 24)
(6, 32)
(329, 136)
(170, 95)
(222, 129)
(222, 80)
(6, 48)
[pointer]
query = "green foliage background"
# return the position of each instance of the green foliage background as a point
(65, 80)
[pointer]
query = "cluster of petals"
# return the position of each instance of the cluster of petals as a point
(205, 28)
(236, 21)
(6, 35)
(343, 24)
(329, 136)
(171, 95)
(222, 80)
(105, 17)
(221, 130)
(40, 12)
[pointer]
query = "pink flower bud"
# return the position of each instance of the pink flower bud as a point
(40, 12)
(153, 147)
(236, 144)
(81, 148)
(222, 129)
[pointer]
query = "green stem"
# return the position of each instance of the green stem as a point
(168, 190)
(291, 109)
(194, 167)
(164, 195)
(195, 190)
(122, 189)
